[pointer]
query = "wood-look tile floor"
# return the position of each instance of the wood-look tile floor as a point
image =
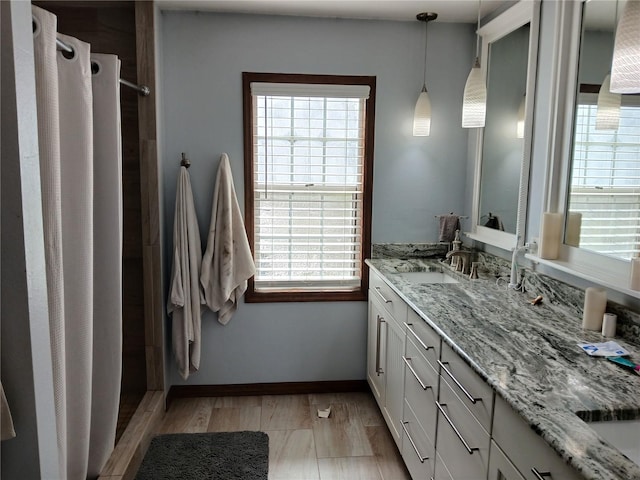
(352, 444)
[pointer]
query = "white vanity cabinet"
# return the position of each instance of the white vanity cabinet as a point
(530, 454)
(440, 412)
(386, 343)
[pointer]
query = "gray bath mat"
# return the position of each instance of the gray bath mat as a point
(207, 456)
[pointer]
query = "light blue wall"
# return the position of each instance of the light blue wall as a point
(595, 56)
(203, 56)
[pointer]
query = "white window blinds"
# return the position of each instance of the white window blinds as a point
(605, 184)
(308, 164)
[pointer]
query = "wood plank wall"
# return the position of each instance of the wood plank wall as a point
(150, 194)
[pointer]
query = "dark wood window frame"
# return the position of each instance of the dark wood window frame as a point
(293, 295)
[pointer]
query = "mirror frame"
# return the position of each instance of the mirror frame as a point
(596, 268)
(523, 12)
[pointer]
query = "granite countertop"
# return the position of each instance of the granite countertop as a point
(529, 355)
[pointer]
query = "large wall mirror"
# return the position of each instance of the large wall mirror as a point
(603, 196)
(509, 53)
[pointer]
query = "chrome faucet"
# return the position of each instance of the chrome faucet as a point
(464, 256)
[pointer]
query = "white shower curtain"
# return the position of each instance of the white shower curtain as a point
(80, 158)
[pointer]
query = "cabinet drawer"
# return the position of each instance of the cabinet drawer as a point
(417, 451)
(390, 299)
(421, 400)
(500, 467)
(474, 392)
(462, 442)
(441, 472)
(526, 449)
(424, 337)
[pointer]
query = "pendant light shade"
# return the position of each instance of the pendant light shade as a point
(422, 112)
(474, 100)
(474, 103)
(422, 115)
(608, 112)
(520, 121)
(625, 68)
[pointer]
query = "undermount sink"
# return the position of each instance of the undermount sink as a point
(622, 434)
(427, 277)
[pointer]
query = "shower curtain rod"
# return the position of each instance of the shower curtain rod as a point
(142, 89)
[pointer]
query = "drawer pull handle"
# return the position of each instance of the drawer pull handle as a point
(379, 322)
(471, 398)
(413, 444)
(455, 430)
(540, 475)
(408, 326)
(415, 374)
(383, 297)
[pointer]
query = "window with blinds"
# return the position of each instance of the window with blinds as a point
(309, 193)
(605, 182)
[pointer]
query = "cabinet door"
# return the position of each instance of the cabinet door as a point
(533, 457)
(500, 468)
(394, 381)
(376, 340)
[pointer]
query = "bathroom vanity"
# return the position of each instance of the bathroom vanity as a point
(473, 380)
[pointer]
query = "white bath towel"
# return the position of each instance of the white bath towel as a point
(227, 263)
(185, 295)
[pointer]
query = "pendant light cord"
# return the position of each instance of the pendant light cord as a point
(615, 23)
(424, 74)
(477, 35)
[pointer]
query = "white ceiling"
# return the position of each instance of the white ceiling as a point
(463, 11)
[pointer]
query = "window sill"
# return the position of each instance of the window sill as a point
(607, 278)
(293, 296)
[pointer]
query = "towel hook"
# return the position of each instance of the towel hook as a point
(185, 161)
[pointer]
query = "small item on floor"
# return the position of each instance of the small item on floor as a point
(536, 301)
(605, 349)
(624, 362)
(324, 413)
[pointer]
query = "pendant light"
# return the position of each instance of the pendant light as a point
(474, 103)
(608, 107)
(625, 67)
(422, 113)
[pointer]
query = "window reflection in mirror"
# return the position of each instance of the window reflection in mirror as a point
(604, 193)
(502, 146)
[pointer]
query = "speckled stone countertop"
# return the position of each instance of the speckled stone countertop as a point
(529, 355)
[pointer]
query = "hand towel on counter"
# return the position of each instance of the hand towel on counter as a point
(448, 226)
(227, 263)
(185, 295)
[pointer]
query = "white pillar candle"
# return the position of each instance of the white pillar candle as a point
(595, 303)
(609, 322)
(634, 278)
(574, 226)
(550, 235)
